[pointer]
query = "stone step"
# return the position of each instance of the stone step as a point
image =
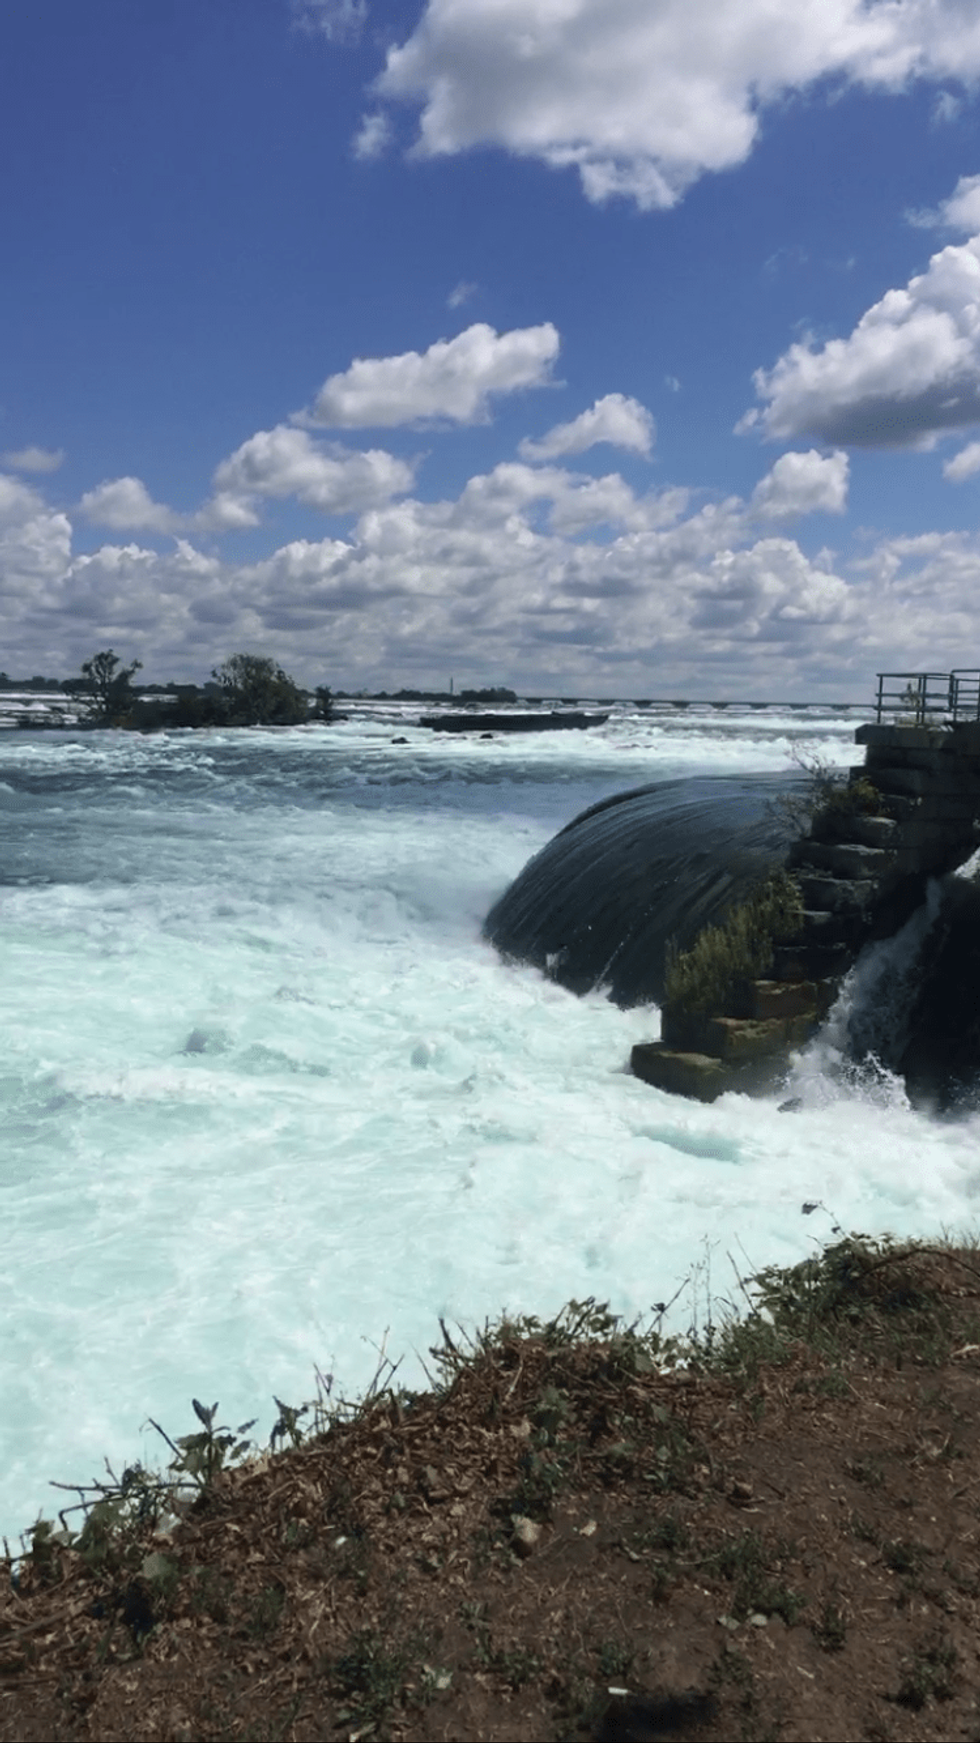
(796, 962)
(854, 826)
(691, 1074)
(822, 926)
(835, 895)
(847, 859)
(739, 1039)
(763, 999)
(901, 807)
(776, 998)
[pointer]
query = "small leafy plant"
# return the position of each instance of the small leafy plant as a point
(202, 1456)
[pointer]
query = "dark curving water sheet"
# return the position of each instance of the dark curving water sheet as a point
(597, 906)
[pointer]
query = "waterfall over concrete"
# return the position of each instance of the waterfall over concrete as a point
(914, 1008)
(598, 905)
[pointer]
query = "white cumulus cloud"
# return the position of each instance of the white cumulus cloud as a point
(454, 378)
(644, 96)
(964, 464)
(35, 543)
(909, 371)
(616, 419)
(287, 462)
(803, 484)
(961, 211)
(125, 504)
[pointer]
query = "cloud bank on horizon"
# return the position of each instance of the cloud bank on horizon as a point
(454, 503)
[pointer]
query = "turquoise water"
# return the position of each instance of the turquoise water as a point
(269, 1102)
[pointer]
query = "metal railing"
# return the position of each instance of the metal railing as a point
(936, 698)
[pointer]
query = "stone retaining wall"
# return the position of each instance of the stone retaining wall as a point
(860, 876)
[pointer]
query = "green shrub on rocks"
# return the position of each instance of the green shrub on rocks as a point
(837, 802)
(831, 799)
(705, 978)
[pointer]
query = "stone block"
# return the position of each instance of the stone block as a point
(692, 1074)
(835, 895)
(943, 778)
(796, 962)
(762, 999)
(839, 823)
(946, 816)
(737, 1040)
(936, 759)
(872, 831)
(821, 926)
(826, 992)
(894, 738)
(847, 859)
(684, 1031)
(902, 806)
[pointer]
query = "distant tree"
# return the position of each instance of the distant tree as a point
(255, 691)
(324, 707)
(105, 683)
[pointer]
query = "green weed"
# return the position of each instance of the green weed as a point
(370, 1676)
(830, 1631)
(930, 1674)
(704, 979)
(615, 1659)
(748, 1561)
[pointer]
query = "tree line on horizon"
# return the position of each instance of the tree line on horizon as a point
(246, 690)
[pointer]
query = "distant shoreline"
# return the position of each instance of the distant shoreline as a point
(26, 709)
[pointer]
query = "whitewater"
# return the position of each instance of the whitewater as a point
(269, 1103)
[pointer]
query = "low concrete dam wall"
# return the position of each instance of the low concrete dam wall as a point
(598, 904)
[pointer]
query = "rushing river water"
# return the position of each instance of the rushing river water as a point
(268, 1098)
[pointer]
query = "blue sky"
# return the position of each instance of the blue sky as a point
(618, 347)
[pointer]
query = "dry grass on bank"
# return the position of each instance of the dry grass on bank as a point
(769, 1533)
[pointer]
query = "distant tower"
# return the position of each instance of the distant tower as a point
(450, 686)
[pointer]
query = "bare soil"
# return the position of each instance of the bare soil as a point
(776, 1539)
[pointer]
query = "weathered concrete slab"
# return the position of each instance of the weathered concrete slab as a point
(762, 999)
(811, 962)
(847, 859)
(931, 738)
(822, 926)
(871, 831)
(947, 778)
(692, 1074)
(737, 1040)
(835, 895)
(962, 739)
(912, 757)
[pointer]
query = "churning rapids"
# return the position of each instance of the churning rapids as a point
(268, 1096)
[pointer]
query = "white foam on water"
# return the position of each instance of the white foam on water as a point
(266, 1095)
